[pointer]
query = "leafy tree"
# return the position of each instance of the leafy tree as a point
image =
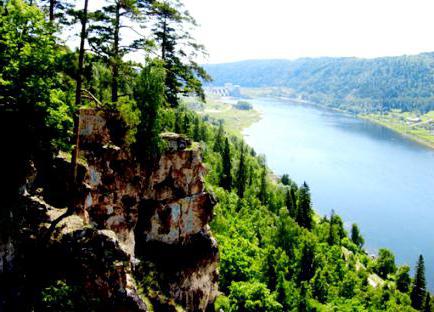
(252, 297)
(26, 44)
(149, 96)
(418, 292)
(226, 175)
(403, 280)
(304, 207)
(385, 263)
(178, 49)
(356, 237)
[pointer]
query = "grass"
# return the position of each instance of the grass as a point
(422, 132)
(234, 120)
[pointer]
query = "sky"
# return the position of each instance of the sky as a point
(234, 30)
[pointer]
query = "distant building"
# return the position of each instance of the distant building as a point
(228, 89)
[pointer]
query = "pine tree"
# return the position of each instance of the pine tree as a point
(307, 262)
(356, 237)
(226, 177)
(427, 306)
(418, 293)
(242, 173)
(304, 207)
(183, 75)
(262, 196)
(285, 179)
(105, 37)
(196, 130)
(57, 9)
(332, 238)
(290, 202)
(218, 142)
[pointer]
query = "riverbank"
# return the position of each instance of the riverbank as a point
(413, 126)
(421, 131)
(218, 108)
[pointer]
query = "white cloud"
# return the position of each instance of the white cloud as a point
(246, 29)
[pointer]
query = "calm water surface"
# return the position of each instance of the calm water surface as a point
(368, 174)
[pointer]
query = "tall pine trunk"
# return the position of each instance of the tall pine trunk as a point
(52, 5)
(115, 59)
(78, 90)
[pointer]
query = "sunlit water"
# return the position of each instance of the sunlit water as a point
(368, 174)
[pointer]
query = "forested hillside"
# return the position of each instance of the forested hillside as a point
(276, 253)
(353, 84)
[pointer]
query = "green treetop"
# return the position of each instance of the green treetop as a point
(226, 176)
(418, 291)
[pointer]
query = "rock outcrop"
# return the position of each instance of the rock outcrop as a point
(129, 218)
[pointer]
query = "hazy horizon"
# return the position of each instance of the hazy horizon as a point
(314, 57)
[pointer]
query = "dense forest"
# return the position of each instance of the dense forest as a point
(276, 253)
(352, 84)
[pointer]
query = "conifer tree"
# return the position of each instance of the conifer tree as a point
(427, 306)
(57, 9)
(178, 49)
(418, 293)
(356, 237)
(263, 187)
(304, 207)
(226, 177)
(332, 238)
(242, 173)
(307, 261)
(218, 142)
(105, 37)
(285, 179)
(196, 129)
(290, 202)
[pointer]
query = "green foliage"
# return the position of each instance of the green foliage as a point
(356, 237)
(352, 84)
(418, 292)
(170, 30)
(149, 98)
(403, 279)
(226, 176)
(304, 207)
(252, 297)
(60, 296)
(385, 263)
(26, 44)
(285, 180)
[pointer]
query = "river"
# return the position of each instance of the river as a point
(368, 174)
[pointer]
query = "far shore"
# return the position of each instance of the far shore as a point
(403, 132)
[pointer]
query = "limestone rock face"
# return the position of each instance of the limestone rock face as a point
(158, 212)
(123, 221)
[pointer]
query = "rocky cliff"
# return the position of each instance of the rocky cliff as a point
(135, 235)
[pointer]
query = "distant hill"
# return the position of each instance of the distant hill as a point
(405, 82)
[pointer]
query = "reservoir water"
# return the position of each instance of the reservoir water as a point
(368, 174)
